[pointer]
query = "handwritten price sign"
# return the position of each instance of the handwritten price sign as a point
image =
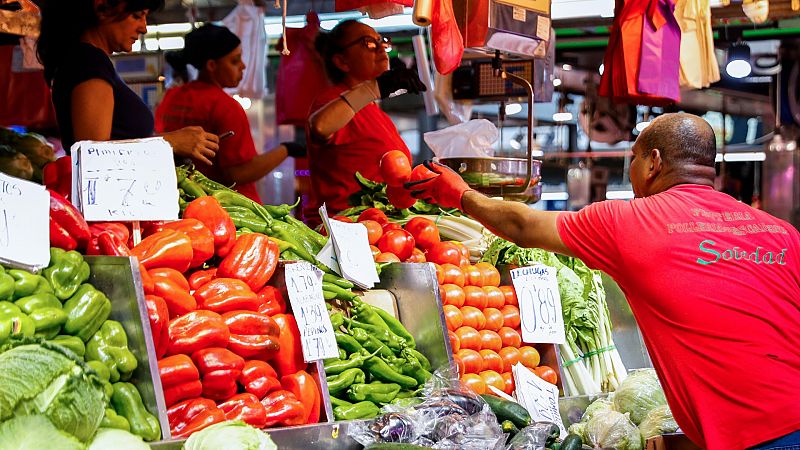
(304, 286)
(539, 397)
(24, 218)
(539, 304)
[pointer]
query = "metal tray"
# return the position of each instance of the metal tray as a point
(499, 177)
(119, 278)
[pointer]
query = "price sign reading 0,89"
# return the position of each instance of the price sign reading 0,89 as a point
(539, 304)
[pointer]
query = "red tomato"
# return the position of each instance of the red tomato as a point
(490, 340)
(452, 295)
(374, 230)
(510, 356)
(474, 296)
(463, 250)
(455, 342)
(510, 316)
(453, 274)
(492, 378)
(443, 253)
(390, 226)
(387, 257)
(373, 214)
(510, 337)
(375, 251)
(453, 317)
(510, 295)
(395, 168)
(473, 362)
(494, 319)
(509, 379)
(529, 357)
(491, 277)
(494, 297)
(458, 363)
(343, 219)
(474, 382)
(491, 360)
(473, 317)
(399, 242)
(547, 374)
(439, 272)
(421, 173)
(400, 197)
(469, 338)
(416, 256)
(473, 276)
(424, 230)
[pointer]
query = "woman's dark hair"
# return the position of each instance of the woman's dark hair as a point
(63, 22)
(329, 44)
(201, 45)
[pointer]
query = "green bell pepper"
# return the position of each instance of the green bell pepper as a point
(73, 343)
(15, 324)
(113, 420)
(128, 403)
(104, 374)
(361, 410)
(110, 346)
(66, 272)
(374, 392)
(48, 321)
(33, 302)
(6, 286)
(25, 283)
(8, 307)
(86, 311)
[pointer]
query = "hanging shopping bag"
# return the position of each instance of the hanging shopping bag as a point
(448, 45)
(247, 22)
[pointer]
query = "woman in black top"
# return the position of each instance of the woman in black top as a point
(91, 100)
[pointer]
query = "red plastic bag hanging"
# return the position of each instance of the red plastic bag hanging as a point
(347, 5)
(301, 74)
(448, 45)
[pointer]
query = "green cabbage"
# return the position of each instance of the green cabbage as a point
(611, 429)
(657, 422)
(231, 435)
(35, 433)
(599, 405)
(114, 439)
(39, 378)
(638, 394)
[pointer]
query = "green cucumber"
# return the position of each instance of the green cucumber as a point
(506, 410)
(571, 442)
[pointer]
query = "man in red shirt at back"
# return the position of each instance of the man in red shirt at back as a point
(714, 284)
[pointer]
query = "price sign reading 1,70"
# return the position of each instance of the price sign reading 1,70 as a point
(539, 304)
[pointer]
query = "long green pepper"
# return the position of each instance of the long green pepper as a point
(342, 381)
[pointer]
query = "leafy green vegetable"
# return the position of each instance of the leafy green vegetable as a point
(231, 435)
(611, 429)
(373, 195)
(657, 422)
(116, 439)
(42, 378)
(638, 394)
(35, 433)
(598, 406)
(501, 251)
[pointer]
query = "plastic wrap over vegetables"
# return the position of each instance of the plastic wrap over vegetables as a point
(657, 422)
(534, 437)
(638, 394)
(232, 435)
(598, 406)
(611, 429)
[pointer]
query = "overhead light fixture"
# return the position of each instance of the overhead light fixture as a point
(513, 108)
(562, 115)
(602, 68)
(566, 67)
(556, 82)
(517, 141)
(738, 65)
(645, 121)
(244, 101)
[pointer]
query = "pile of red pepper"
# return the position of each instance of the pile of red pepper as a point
(228, 349)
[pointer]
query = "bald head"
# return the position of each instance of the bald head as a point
(683, 139)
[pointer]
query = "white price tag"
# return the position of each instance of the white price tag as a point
(125, 180)
(304, 285)
(351, 245)
(539, 397)
(24, 223)
(539, 304)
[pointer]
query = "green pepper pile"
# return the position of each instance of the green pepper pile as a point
(378, 363)
(62, 308)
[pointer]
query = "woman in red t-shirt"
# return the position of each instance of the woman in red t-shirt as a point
(347, 131)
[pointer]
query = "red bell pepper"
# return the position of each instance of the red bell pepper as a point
(197, 330)
(201, 277)
(283, 408)
(67, 225)
(253, 260)
(290, 358)
(193, 415)
(158, 313)
(200, 236)
(168, 248)
(259, 378)
(272, 301)
(111, 245)
(253, 335)
(119, 229)
(57, 176)
(172, 286)
(247, 408)
(220, 368)
(148, 285)
(114, 245)
(179, 378)
(305, 388)
(208, 210)
(226, 294)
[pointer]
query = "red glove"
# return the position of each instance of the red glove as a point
(445, 189)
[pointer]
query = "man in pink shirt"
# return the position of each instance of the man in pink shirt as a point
(713, 283)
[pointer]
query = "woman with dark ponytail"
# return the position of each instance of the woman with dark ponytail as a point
(91, 100)
(217, 54)
(347, 131)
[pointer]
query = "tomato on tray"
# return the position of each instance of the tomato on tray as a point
(373, 214)
(473, 361)
(400, 242)
(474, 382)
(494, 319)
(491, 340)
(547, 374)
(494, 297)
(374, 230)
(529, 357)
(510, 316)
(492, 378)
(453, 274)
(474, 296)
(473, 317)
(453, 317)
(452, 294)
(510, 357)
(510, 295)
(425, 232)
(491, 360)
(469, 337)
(510, 337)
(443, 253)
